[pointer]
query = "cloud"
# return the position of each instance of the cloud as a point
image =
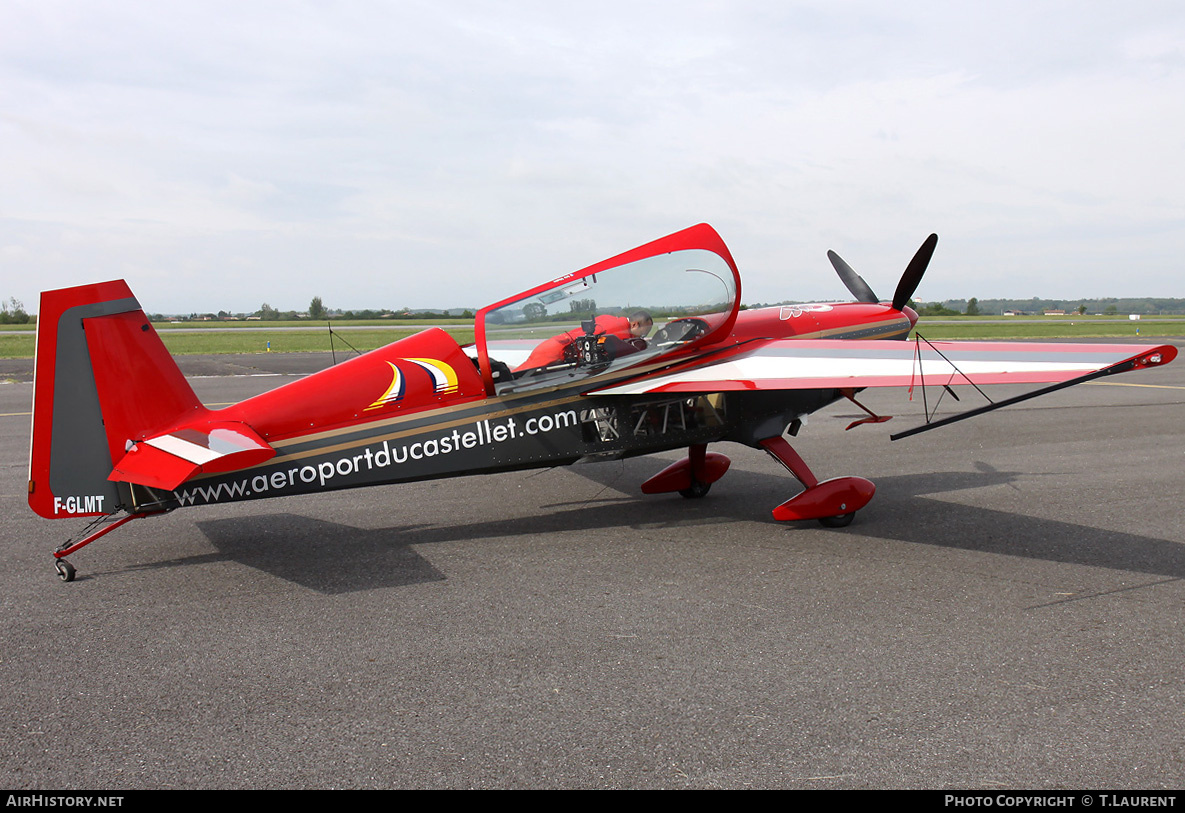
(220, 155)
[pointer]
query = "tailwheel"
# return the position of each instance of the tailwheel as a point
(840, 521)
(66, 571)
(696, 491)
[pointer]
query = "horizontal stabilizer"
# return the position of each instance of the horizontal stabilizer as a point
(166, 461)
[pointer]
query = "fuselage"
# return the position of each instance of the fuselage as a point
(329, 434)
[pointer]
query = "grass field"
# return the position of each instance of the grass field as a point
(1022, 328)
(232, 337)
(293, 341)
(254, 341)
(307, 324)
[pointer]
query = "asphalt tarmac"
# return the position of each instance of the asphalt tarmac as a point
(1006, 613)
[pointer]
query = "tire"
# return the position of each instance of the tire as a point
(840, 521)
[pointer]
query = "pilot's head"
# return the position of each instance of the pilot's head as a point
(640, 324)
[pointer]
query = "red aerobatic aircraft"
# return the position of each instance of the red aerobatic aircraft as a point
(644, 352)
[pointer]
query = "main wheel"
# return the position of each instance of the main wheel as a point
(696, 491)
(65, 570)
(840, 521)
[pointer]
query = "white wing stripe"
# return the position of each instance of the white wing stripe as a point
(863, 364)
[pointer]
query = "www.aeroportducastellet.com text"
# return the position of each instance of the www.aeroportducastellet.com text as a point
(60, 800)
(1049, 800)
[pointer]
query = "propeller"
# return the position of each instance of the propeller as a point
(905, 288)
(853, 281)
(913, 272)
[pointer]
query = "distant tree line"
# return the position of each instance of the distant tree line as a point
(1145, 306)
(13, 312)
(317, 311)
(1149, 306)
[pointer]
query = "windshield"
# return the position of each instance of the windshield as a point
(609, 317)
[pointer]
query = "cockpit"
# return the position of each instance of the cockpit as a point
(651, 302)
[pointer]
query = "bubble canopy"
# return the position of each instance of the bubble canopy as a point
(679, 292)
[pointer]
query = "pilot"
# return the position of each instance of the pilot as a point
(625, 334)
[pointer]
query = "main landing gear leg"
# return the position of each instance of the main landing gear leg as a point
(66, 570)
(692, 476)
(833, 502)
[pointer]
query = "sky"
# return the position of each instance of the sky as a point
(220, 155)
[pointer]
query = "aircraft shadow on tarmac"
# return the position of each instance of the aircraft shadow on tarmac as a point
(334, 558)
(320, 555)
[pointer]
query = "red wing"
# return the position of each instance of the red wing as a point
(795, 364)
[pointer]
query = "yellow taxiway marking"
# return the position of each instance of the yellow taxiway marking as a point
(27, 414)
(1125, 384)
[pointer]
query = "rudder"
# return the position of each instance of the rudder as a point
(102, 377)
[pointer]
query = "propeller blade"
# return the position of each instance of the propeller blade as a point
(853, 281)
(913, 272)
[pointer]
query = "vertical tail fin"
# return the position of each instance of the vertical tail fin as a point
(102, 378)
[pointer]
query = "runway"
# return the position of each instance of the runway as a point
(1006, 613)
